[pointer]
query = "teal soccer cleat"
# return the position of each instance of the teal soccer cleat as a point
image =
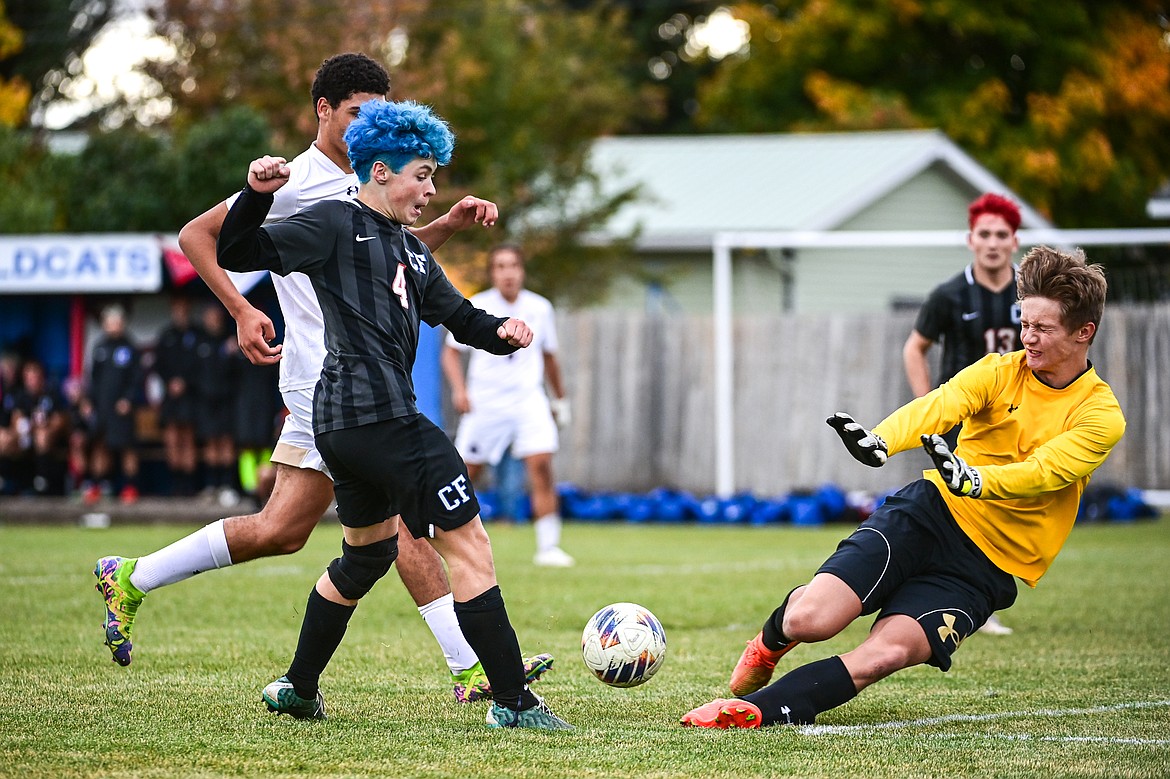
(281, 698)
(539, 717)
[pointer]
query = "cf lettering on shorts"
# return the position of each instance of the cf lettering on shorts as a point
(455, 494)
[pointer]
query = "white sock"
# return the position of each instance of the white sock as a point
(548, 532)
(203, 550)
(440, 617)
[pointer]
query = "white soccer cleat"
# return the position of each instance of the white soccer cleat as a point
(554, 558)
(993, 627)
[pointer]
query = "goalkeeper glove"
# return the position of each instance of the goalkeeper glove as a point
(960, 478)
(561, 411)
(866, 447)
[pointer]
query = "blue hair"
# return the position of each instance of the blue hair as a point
(396, 133)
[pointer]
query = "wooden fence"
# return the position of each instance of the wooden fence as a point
(642, 387)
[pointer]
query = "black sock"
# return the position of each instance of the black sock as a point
(774, 637)
(321, 632)
(797, 697)
(485, 625)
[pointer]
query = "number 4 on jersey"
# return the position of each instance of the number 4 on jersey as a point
(398, 287)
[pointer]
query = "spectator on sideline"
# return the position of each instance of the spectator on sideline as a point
(82, 424)
(115, 390)
(942, 554)
(9, 448)
(503, 400)
(215, 393)
(258, 422)
(174, 362)
(973, 313)
(40, 425)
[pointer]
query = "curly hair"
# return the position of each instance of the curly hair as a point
(994, 204)
(396, 133)
(344, 75)
(1069, 279)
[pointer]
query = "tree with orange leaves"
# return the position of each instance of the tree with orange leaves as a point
(1068, 103)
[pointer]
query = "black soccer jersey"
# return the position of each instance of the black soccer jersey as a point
(174, 354)
(970, 320)
(115, 373)
(375, 282)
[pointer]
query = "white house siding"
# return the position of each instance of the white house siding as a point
(825, 280)
(873, 280)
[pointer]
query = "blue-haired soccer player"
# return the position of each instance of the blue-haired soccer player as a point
(303, 486)
(375, 281)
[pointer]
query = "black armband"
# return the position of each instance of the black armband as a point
(240, 246)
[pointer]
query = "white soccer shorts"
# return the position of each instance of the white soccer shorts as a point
(529, 428)
(295, 446)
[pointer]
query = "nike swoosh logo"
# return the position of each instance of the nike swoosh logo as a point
(364, 238)
(967, 317)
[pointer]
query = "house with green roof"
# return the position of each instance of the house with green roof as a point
(883, 187)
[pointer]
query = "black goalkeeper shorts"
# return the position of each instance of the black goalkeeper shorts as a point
(910, 557)
(404, 466)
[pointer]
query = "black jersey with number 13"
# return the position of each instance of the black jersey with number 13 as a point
(970, 320)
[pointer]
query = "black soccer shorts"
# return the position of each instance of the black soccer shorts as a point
(114, 430)
(404, 466)
(910, 557)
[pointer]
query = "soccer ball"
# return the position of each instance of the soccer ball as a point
(623, 644)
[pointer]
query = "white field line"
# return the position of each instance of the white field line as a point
(1141, 742)
(834, 730)
(1027, 737)
(696, 569)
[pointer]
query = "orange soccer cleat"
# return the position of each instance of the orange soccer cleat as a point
(724, 713)
(755, 666)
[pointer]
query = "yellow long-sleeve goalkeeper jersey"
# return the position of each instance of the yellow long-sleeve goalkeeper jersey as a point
(1034, 446)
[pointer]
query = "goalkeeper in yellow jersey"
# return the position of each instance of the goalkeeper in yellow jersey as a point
(943, 553)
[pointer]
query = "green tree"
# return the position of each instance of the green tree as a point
(665, 66)
(131, 180)
(122, 182)
(31, 185)
(527, 87)
(1069, 103)
(56, 33)
(213, 157)
(263, 54)
(14, 90)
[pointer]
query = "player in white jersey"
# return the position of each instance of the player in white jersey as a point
(503, 398)
(304, 489)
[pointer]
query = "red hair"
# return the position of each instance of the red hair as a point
(994, 204)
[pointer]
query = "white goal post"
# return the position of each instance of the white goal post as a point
(724, 243)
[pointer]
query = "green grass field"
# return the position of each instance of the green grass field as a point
(1081, 689)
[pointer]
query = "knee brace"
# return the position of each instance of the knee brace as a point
(359, 567)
